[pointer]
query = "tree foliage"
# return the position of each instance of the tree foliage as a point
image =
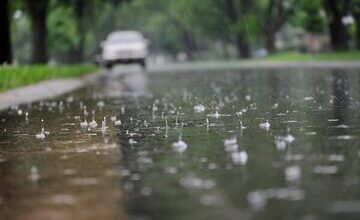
(74, 28)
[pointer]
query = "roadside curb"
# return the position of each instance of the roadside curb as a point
(244, 65)
(45, 90)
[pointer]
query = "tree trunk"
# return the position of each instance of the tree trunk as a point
(234, 17)
(270, 42)
(358, 34)
(38, 16)
(274, 20)
(188, 44)
(5, 40)
(79, 9)
(357, 24)
(338, 36)
(243, 47)
(225, 51)
(338, 32)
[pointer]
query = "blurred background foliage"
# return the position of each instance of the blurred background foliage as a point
(182, 29)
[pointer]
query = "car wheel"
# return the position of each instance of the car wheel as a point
(108, 66)
(142, 64)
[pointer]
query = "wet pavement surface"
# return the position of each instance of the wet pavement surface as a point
(247, 144)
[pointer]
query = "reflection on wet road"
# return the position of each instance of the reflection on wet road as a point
(249, 144)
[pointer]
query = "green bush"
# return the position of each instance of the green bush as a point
(15, 76)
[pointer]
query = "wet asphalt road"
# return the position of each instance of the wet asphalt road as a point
(163, 159)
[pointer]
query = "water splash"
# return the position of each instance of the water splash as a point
(239, 158)
(265, 126)
(199, 108)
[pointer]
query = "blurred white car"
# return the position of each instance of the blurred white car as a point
(124, 47)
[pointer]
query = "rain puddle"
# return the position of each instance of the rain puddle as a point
(251, 144)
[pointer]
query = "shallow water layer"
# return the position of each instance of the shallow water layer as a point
(249, 144)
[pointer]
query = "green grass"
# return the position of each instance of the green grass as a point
(296, 56)
(15, 76)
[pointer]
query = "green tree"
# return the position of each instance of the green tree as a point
(84, 16)
(237, 13)
(63, 35)
(308, 16)
(272, 15)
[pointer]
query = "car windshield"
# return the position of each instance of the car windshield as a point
(124, 37)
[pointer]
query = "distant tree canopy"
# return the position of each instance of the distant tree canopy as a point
(71, 30)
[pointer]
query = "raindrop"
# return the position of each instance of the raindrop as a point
(294, 157)
(265, 126)
(210, 200)
(101, 104)
(34, 174)
(275, 106)
(84, 181)
(132, 141)
(63, 199)
(336, 157)
(241, 126)
(84, 124)
(310, 133)
(193, 182)
(342, 126)
(207, 123)
(146, 191)
(308, 98)
(85, 111)
(166, 127)
(288, 138)
(179, 146)
(199, 108)
(280, 144)
(230, 141)
(239, 158)
(345, 137)
(69, 171)
(215, 115)
(41, 135)
(177, 118)
(325, 170)
(257, 200)
(154, 107)
(212, 166)
(93, 123)
(292, 173)
(27, 117)
(117, 122)
(104, 128)
(171, 170)
(231, 144)
(238, 114)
